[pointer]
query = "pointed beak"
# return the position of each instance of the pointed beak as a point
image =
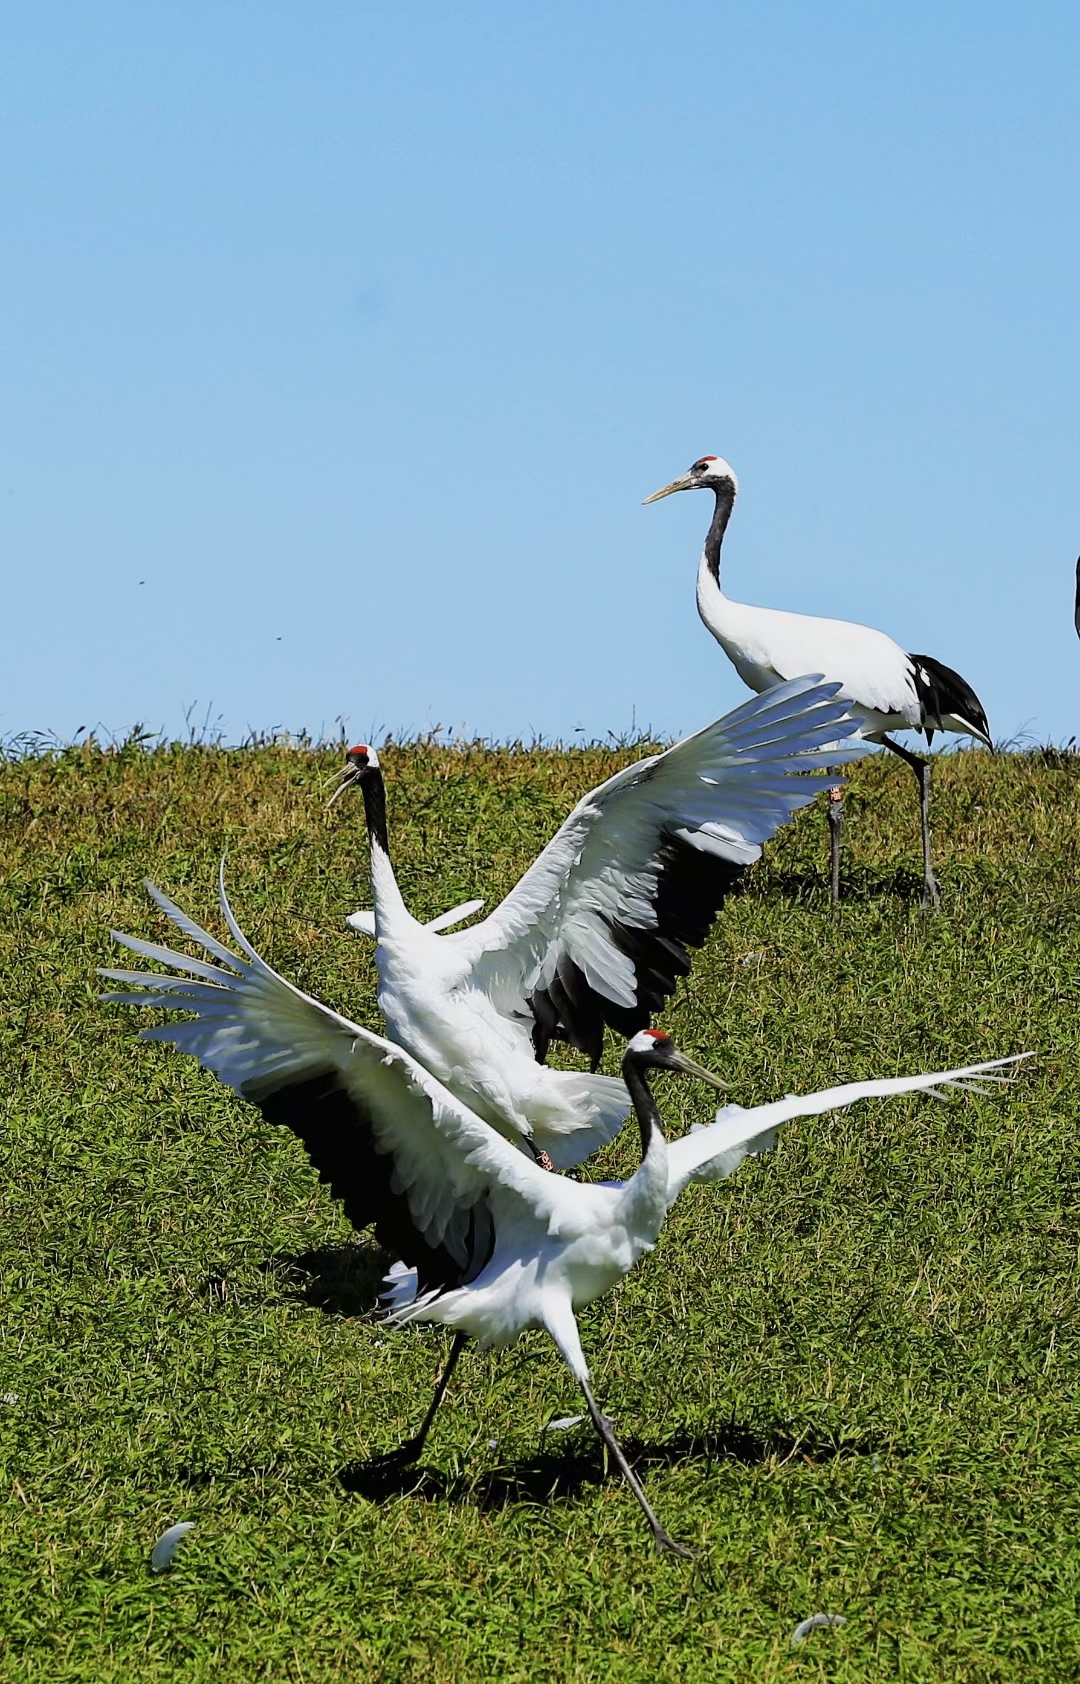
(345, 778)
(684, 484)
(679, 1061)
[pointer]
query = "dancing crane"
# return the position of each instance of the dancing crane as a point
(892, 690)
(598, 929)
(490, 1243)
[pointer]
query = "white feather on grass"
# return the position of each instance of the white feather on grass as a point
(815, 1623)
(161, 1555)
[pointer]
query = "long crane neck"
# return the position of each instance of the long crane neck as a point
(644, 1198)
(714, 538)
(373, 790)
(384, 890)
(646, 1109)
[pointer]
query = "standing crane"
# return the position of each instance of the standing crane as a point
(490, 1243)
(599, 928)
(892, 690)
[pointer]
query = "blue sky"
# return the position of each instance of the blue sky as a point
(342, 342)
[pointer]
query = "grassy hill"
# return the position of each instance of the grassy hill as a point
(848, 1376)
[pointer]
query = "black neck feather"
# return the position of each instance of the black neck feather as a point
(646, 1109)
(374, 791)
(725, 502)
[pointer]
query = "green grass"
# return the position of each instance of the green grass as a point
(848, 1376)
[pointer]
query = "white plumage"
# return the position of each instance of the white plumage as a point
(597, 931)
(364, 921)
(891, 689)
(491, 1243)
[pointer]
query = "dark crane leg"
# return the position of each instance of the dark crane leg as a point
(664, 1540)
(921, 769)
(836, 825)
(412, 1449)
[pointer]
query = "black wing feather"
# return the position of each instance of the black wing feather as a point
(338, 1139)
(942, 691)
(691, 888)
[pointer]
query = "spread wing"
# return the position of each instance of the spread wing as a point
(394, 1145)
(598, 930)
(709, 1154)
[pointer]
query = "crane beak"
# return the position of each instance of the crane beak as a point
(345, 778)
(684, 484)
(679, 1061)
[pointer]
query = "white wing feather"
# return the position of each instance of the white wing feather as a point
(709, 1154)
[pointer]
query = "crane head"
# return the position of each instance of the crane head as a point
(359, 763)
(651, 1049)
(709, 473)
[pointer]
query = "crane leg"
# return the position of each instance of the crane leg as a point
(921, 768)
(413, 1447)
(663, 1539)
(836, 825)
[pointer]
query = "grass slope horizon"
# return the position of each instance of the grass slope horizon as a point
(847, 1376)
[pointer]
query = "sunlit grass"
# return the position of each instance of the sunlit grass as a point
(849, 1375)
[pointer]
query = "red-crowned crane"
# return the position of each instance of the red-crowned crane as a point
(490, 1243)
(892, 690)
(597, 931)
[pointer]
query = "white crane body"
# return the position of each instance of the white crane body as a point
(431, 1005)
(549, 1267)
(765, 646)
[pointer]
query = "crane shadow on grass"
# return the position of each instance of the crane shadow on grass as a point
(858, 885)
(345, 1281)
(558, 1475)
(340, 1280)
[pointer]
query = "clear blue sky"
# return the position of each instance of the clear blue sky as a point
(342, 341)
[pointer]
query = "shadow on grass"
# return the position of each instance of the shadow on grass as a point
(552, 1477)
(860, 884)
(340, 1280)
